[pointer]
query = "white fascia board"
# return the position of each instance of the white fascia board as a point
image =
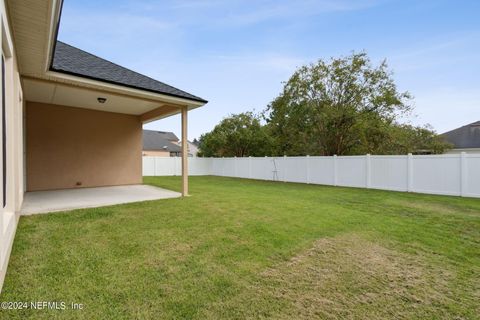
(191, 104)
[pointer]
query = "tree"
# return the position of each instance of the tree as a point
(345, 106)
(410, 139)
(238, 135)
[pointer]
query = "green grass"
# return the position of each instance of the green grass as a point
(239, 249)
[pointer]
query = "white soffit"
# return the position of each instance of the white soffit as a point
(32, 26)
(54, 93)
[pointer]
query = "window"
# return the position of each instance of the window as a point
(4, 139)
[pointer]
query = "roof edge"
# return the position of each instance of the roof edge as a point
(53, 45)
(467, 125)
(126, 86)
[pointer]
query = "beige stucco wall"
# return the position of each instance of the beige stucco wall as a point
(155, 153)
(68, 146)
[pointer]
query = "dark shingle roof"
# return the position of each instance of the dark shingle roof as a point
(71, 60)
(160, 140)
(464, 137)
(167, 135)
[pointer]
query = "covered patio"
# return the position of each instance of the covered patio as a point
(70, 199)
(71, 122)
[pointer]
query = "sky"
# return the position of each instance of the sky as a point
(236, 54)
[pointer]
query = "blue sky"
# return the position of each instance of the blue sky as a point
(236, 54)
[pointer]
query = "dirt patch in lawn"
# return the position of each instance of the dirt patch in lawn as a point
(435, 207)
(351, 278)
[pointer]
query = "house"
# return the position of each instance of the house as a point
(69, 119)
(160, 144)
(165, 144)
(192, 148)
(464, 139)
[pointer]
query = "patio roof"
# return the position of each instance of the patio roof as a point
(70, 60)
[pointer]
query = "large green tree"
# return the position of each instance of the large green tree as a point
(343, 106)
(239, 135)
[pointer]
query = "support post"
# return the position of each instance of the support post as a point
(184, 153)
(284, 168)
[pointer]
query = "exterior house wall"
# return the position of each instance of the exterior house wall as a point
(73, 147)
(192, 149)
(14, 160)
(155, 153)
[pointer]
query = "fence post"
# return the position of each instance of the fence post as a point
(335, 170)
(284, 168)
(463, 174)
(235, 166)
(223, 166)
(308, 168)
(250, 167)
(409, 172)
(368, 180)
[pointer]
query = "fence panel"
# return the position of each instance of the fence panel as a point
(449, 174)
(217, 166)
(321, 170)
(351, 171)
(389, 172)
(262, 168)
(242, 166)
(199, 166)
(148, 166)
(436, 174)
(295, 169)
(228, 167)
(472, 175)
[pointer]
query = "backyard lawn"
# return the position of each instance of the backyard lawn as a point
(240, 249)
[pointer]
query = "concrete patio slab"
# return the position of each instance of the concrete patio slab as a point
(70, 199)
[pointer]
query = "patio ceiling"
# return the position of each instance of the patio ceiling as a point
(37, 90)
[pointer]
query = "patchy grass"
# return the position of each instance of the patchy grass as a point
(242, 249)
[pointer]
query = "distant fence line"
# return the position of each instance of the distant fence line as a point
(447, 174)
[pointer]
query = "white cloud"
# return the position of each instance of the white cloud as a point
(271, 9)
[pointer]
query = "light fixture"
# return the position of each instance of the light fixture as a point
(101, 100)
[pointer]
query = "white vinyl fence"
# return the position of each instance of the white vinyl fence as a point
(448, 174)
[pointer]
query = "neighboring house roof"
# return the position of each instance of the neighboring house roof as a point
(160, 140)
(168, 135)
(70, 60)
(464, 137)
